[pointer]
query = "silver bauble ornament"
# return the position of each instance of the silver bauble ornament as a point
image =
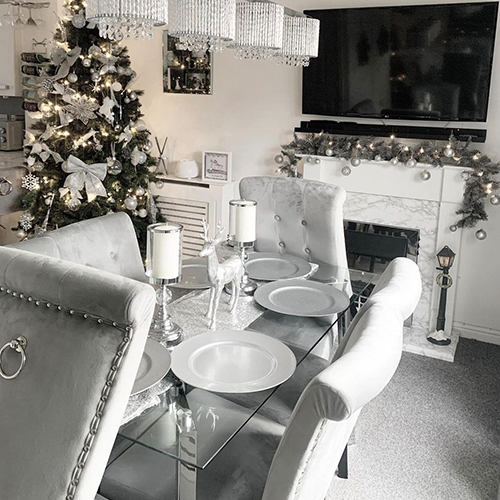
(378, 158)
(355, 162)
(395, 160)
(329, 152)
(126, 100)
(87, 62)
(72, 78)
(74, 204)
(140, 126)
(453, 228)
(142, 213)
(148, 146)
(495, 200)
(425, 175)
(317, 161)
(159, 184)
(142, 157)
(115, 166)
(309, 159)
(130, 203)
(78, 21)
(132, 96)
(346, 170)
(411, 163)
(448, 151)
(21, 233)
(95, 77)
(94, 50)
(120, 70)
(117, 87)
(279, 159)
(140, 191)
(481, 234)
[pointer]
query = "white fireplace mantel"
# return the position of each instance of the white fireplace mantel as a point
(395, 195)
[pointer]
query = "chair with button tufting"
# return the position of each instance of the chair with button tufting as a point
(85, 331)
(108, 243)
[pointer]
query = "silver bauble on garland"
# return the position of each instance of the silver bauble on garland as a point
(495, 200)
(140, 191)
(481, 234)
(425, 175)
(317, 161)
(140, 125)
(142, 213)
(95, 77)
(453, 228)
(309, 159)
(87, 62)
(355, 162)
(449, 151)
(74, 204)
(130, 203)
(159, 184)
(72, 78)
(395, 160)
(279, 159)
(411, 163)
(329, 152)
(132, 96)
(346, 170)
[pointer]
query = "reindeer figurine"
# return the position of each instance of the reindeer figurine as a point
(219, 274)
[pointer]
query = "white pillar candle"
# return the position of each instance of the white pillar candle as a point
(243, 221)
(166, 253)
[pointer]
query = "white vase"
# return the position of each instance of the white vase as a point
(187, 169)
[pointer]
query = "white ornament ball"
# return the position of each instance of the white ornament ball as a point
(72, 78)
(378, 158)
(130, 203)
(140, 125)
(115, 166)
(481, 234)
(310, 159)
(148, 146)
(21, 233)
(317, 161)
(346, 170)
(142, 213)
(329, 152)
(74, 204)
(448, 151)
(355, 162)
(126, 100)
(495, 200)
(279, 159)
(78, 21)
(425, 175)
(453, 228)
(395, 160)
(411, 163)
(159, 184)
(95, 77)
(142, 157)
(87, 62)
(132, 96)
(140, 191)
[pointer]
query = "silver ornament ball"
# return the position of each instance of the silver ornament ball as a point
(126, 100)
(378, 158)
(72, 78)
(120, 70)
(453, 228)
(411, 163)
(310, 159)
(317, 161)
(448, 151)
(346, 170)
(355, 162)
(279, 159)
(148, 146)
(425, 175)
(130, 203)
(140, 125)
(21, 233)
(132, 96)
(94, 50)
(329, 152)
(495, 200)
(115, 166)
(87, 62)
(159, 184)
(74, 204)
(481, 234)
(95, 77)
(140, 191)
(395, 160)
(78, 21)
(117, 86)
(142, 213)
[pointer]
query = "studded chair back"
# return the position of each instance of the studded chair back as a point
(324, 417)
(298, 217)
(108, 243)
(85, 332)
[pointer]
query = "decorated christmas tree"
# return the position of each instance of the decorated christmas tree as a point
(88, 154)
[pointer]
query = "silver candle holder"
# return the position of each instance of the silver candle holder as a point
(242, 235)
(164, 268)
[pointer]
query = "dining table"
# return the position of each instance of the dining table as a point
(193, 425)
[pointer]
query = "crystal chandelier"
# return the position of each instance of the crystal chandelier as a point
(259, 29)
(300, 39)
(117, 19)
(202, 24)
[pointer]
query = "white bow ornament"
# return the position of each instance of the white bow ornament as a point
(85, 176)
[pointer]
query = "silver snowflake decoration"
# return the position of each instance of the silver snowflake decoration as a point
(25, 221)
(30, 182)
(81, 107)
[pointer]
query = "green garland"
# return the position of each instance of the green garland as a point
(479, 181)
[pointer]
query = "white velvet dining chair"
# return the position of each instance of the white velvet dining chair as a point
(299, 461)
(85, 332)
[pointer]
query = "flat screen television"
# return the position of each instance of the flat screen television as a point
(423, 62)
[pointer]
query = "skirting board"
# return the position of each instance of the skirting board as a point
(480, 333)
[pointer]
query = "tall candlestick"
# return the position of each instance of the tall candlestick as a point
(243, 221)
(166, 252)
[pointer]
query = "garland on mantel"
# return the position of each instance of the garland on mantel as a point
(478, 176)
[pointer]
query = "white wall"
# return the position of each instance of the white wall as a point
(256, 105)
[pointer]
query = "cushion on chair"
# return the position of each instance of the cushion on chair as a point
(108, 243)
(49, 410)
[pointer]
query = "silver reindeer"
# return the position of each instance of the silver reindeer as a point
(230, 270)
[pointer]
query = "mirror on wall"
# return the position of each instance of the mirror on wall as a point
(185, 71)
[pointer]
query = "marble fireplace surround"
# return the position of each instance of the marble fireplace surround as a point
(381, 193)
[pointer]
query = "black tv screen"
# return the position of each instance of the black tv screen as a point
(424, 62)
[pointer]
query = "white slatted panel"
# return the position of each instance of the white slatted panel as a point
(189, 213)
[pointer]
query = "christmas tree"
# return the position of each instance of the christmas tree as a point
(88, 154)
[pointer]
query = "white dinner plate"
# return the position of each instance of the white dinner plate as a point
(233, 361)
(268, 266)
(301, 298)
(194, 274)
(155, 364)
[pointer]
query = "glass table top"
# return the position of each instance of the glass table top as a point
(192, 425)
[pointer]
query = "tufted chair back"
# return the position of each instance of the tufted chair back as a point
(85, 330)
(298, 217)
(108, 243)
(324, 417)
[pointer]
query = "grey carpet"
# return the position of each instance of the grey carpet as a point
(433, 434)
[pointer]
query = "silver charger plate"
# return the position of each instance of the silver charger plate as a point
(194, 274)
(269, 266)
(301, 298)
(155, 364)
(233, 361)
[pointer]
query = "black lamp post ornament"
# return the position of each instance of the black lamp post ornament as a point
(445, 258)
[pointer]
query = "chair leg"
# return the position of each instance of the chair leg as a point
(342, 468)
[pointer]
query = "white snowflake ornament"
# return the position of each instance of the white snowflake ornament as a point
(30, 182)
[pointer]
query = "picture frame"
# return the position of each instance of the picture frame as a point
(217, 166)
